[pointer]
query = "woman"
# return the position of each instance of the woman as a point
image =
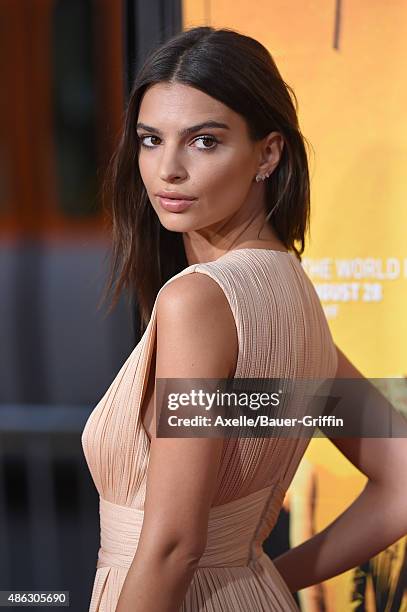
(212, 172)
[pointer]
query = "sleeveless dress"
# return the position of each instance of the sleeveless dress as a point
(282, 332)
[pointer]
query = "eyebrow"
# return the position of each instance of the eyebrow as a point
(188, 130)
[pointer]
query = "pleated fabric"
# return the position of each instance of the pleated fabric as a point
(282, 333)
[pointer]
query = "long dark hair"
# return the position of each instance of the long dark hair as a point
(239, 72)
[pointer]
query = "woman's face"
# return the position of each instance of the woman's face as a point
(215, 165)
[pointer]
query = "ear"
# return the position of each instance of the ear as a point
(270, 152)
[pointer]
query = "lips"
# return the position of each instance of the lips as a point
(175, 204)
(175, 195)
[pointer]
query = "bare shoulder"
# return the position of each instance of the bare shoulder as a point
(194, 288)
(194, 319)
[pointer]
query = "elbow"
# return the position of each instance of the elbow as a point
(393, 495)
(182, 545)
(183, 553)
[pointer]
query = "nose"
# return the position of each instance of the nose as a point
(171, 168)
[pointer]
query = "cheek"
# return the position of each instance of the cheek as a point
(145, 169)
(232, 168)
(226, 185)
(147, 175)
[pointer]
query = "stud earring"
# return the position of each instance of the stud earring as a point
(261, 177)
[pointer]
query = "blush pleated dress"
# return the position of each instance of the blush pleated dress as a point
(282, 333)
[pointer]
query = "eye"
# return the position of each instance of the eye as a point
(141, 140)
(210, 138)
(206, 138)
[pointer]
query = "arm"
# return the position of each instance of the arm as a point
(196, 338)
(376, 519)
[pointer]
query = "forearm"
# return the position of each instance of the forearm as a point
(376, 519)
(156, 582)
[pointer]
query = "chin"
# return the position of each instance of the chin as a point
(177, 223)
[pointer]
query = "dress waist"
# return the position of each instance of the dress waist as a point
(234, 535)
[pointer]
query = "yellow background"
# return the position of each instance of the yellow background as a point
(352, 102)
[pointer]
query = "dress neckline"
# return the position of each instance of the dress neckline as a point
(245, 249)
(258, 249)
(252, 250)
